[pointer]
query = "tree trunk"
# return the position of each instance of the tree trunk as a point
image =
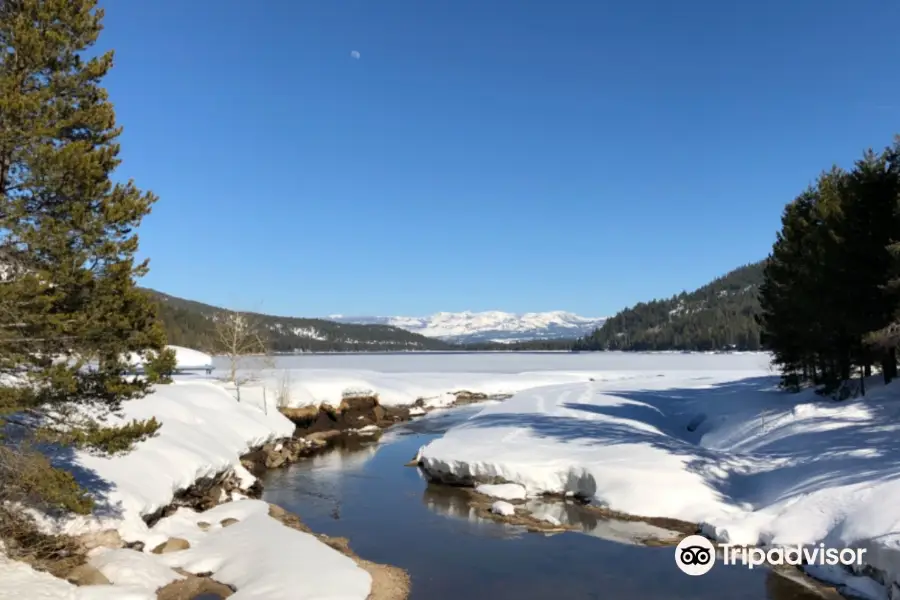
(892, 362)
(889, 365)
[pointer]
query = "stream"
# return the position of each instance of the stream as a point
(363, 491)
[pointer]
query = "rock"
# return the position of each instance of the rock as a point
(275, 460)
(203, 525)
(228, 522)
(192, 587)
(396, 414)
(172, 545)
(255, 490)
(466, 397)
(87, 575)
(108, 538)
(206, 493)
(137, 546)
(322, 437)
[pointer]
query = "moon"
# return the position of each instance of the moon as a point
(355, 54)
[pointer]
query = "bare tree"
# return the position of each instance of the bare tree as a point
(238, 335)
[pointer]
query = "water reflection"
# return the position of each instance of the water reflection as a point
(455, 502)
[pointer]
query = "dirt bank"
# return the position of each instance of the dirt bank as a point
(388, 582)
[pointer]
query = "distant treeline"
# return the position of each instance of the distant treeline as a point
(718, 316)
(189, 323)
(525, 346)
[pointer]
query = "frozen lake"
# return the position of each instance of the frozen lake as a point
(518, 362)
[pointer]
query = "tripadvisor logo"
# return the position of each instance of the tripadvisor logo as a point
(695, 555)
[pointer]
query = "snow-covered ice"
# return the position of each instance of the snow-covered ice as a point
(401, 380)
(720, 447)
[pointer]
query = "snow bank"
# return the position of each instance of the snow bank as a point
(725, 449)
(264, 559)
(186, 359)
(136, 569)
(204, 432)
(18, 581)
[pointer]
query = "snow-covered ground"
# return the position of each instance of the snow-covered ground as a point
(401, 379)
(700, 437)
(204, 431)
(721, 447)
(186, 359)
(259, 556)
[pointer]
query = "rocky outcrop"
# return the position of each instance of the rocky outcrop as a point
(278, 454)
(206, 493)
(353, 412)
(464, 397)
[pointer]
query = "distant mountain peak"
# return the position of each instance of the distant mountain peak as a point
(488, 326)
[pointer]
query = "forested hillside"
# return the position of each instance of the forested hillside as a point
(718, 316)
(190, 324)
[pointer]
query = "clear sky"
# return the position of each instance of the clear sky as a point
(483, 154)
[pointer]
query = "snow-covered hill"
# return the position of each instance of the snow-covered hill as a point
(496, 326)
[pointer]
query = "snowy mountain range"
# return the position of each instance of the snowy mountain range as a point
(491, 326)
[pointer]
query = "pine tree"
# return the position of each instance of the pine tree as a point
(831, 283)
(70, 313)
(885, 339)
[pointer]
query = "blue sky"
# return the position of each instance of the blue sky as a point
(505, 154)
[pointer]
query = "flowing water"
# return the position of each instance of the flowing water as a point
(391, 515)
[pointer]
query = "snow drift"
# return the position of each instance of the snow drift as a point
(204, 432)
(728, 450)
